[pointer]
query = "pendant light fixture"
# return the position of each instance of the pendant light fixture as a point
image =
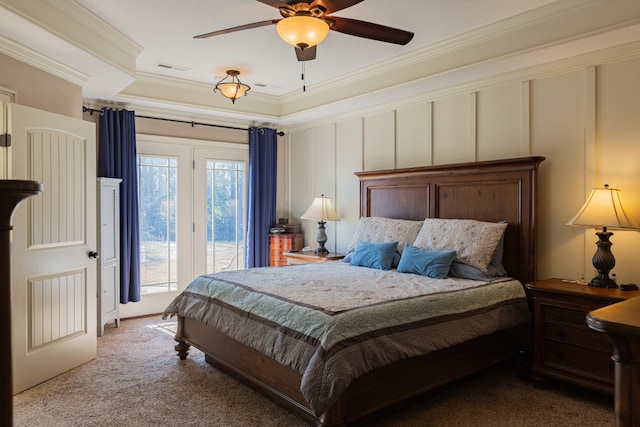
(234, 88)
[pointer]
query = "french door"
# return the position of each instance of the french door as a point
(192, 201)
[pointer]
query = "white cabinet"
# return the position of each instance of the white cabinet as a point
(109, 252)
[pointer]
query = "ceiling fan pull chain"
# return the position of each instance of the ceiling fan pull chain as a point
(304, 84)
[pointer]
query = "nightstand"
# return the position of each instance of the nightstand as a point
(565, 348)
(307, 257)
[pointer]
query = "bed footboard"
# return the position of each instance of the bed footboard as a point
(382, 389)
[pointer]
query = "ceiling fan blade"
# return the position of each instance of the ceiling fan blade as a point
(371, 31)
(306, 55)
(335, 5)
(238, 28)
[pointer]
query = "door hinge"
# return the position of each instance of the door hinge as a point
(5, 140)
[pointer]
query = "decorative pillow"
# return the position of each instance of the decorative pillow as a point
(475, 242)
(374, 254)
(434, 264)
(465, 271)
(394, 263)
(378, 229)
(496, 269)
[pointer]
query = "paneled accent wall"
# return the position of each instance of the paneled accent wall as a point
(379, 129)
(584, 120)
(414, 135)
(349, 148)
(453, 129)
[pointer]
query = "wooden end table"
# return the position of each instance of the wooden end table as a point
(565, 348)
(307, 257)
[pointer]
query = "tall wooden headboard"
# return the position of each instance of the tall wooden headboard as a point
(500, 190)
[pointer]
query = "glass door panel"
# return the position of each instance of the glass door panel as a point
(225, 215)
(158, 199)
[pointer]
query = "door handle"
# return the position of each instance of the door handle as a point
(93, 254)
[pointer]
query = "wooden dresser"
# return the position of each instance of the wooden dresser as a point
(565, 347)
(280, 243)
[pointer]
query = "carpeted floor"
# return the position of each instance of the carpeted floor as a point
(137, 381)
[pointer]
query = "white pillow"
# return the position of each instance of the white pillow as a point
(474, 241)
(378, 229)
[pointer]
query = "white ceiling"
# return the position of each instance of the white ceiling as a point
(115, 56)
(165, 30)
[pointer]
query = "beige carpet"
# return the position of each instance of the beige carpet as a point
(138, 381)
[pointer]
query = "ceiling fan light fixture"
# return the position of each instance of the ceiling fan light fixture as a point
(302, 31)
(232, 89)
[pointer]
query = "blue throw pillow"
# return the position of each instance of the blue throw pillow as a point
(374, 254)
(430, 263)
(394, 263)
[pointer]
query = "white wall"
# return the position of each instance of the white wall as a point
(583, 119)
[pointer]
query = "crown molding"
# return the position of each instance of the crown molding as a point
(73, 23)
(30, 57)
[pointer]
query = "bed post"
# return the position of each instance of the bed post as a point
(334, 416)
(182, 347)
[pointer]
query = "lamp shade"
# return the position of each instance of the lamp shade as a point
(321, 210)
(604, 208)
(233, 91)
(302, 31)
(234, 88)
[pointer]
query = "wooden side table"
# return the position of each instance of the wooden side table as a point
(309, 257)
(565, 348)
(621, 323)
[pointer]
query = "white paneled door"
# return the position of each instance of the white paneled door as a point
(53, 270)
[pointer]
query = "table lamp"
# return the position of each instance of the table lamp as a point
(604, 208)
(321, 211)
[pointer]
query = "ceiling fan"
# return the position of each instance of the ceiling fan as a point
(304, 24)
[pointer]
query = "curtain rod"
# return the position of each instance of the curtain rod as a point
(193, 124)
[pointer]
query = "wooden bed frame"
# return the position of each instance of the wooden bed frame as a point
(502, 190)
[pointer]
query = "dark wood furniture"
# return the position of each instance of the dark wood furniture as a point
(281, 243)
(564, 346)
(501, 190)
(12, 192)
(621, 323)
(307, 257)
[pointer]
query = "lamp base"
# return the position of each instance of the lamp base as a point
(603, 282)
(321, 238)
(603, 261)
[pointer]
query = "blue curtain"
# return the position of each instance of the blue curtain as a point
(263, 171)
(117, 158)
